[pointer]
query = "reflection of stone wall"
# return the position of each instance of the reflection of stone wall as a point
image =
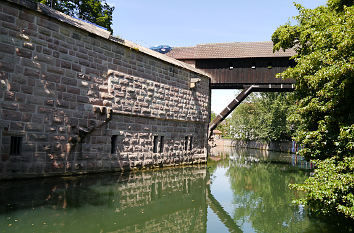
(220, 151)
(69, 90)
(178, 198)
(168, 200)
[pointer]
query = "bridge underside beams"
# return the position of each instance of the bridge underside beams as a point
(245, 85)
(245, 92)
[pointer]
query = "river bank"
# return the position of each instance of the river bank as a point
(286, 147)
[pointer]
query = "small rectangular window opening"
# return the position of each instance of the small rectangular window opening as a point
(190, 142)
(185, 143)
(15, 145)
(161, 144)
(114, 144)
(155, 142)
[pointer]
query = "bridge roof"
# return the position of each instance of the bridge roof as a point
(229, 50)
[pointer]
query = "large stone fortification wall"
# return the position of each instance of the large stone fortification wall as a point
(75, 99)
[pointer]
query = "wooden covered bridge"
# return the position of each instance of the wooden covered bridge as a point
(250, 66)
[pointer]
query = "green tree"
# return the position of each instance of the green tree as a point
(263, 117)
(246, 122)
(212, 116)
(223, 127)
(324, 41)
(95, 11)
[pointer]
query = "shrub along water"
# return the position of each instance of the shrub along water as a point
(324, 113)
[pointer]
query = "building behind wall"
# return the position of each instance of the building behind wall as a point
(75, 100)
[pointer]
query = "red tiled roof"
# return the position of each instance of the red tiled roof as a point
(229, 50)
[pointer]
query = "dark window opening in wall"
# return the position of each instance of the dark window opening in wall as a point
(173, 71)
(190, 142)
(155, 142)
(15, 145)
(161, 144)
(114, 144)
(185, 143)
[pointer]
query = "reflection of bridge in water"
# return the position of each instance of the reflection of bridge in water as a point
(168, 200)
(224, 217)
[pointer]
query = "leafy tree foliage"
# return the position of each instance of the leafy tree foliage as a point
(263, 117)
(94, 11)
(333, 180)
(324, 40)
(224, 126)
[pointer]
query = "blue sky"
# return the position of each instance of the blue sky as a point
(191, 22)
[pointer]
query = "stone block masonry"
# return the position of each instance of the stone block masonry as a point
(74, 99)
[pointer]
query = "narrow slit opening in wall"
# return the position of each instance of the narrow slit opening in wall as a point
(185, 143)
(15, 145)
(155, 142)
(114, 144)
(161, 144)
(190, 142)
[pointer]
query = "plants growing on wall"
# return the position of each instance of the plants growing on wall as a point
(98, 12)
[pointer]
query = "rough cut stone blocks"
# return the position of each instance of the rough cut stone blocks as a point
(75, 100)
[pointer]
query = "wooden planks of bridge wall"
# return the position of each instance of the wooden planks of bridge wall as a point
(235, 73)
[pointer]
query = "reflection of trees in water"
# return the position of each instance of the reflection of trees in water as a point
(262, 195)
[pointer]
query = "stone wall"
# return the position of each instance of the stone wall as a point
(271, 146)
(74, 99)
(222, 142)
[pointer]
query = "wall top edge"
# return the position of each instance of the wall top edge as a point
(59, 16)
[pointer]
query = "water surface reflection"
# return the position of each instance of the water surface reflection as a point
(168, 200)
(255, 190)
(234, 193)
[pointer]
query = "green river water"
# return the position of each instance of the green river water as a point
(238, 191)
